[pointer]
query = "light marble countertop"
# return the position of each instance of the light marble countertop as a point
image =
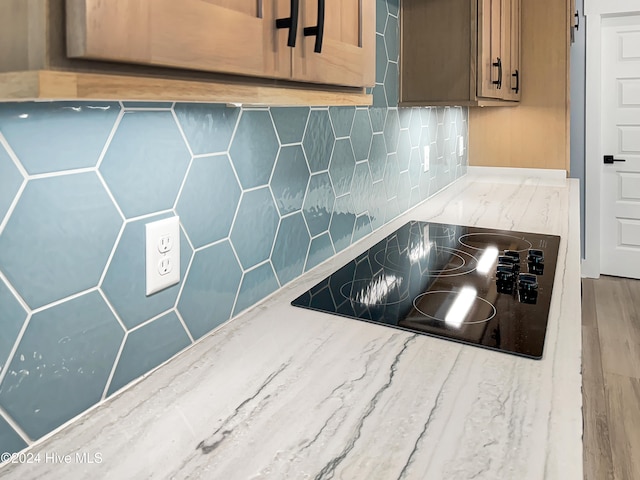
(282, 392)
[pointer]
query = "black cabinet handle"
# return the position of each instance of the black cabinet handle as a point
(318, 30)
(291, 23)
(517, 75)
(577, 15)
(610, 159)
(499, 81)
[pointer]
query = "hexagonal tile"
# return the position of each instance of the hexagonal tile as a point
(391, 84)
(208, 127)
(440, 114)
(425, 185)
(125, 281)
(362, 228)
(62, 364)
(381, 59)
(404, 115)
(392, 39)
(404, 191)
(415, 167)
(381, 15)
(378, 117)
(318, 140)
(361, 135)
(318, 203)
(415, 127)
(10, 441)
(377, 157)
(341, 167)
(290, 179)
(415, 196)
(393, 210)
(290, 248)
(440, 143)
(342, 119)
(208, 200)
(404, 150)
(11, 181)
(391, 176)
(342, 222)
(48, 137)
(321, 248)
(290, 123)
(256, 284)
(12, 317)
(254, 148)
(59, 238)
(393, 6)
(147, 149)
(378, 206)
(379, 98)
(147, 347)
(255, 227)
(392, 130)
(147, 105)
(210, 289)
(361, 188)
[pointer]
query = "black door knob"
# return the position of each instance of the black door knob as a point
(610, 159)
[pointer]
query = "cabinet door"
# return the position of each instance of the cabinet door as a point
(491, 72)
(513, 73)
(228, 36)
(347, 54)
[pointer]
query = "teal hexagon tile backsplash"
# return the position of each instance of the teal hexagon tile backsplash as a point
(10, 441)
(145, 162)
(57, 241)
(342, 166)
(318, 203)
(254, 148)
(208, 128)
(49, 137)
(342, 120)
(261, 193)
(125, 282)
(147, 347)
(318, 140)
(254, 229)
(256, 284)
(290, 123)
(290, 248)
(209, 199)
(12, 317)
(11, 181)
(62, 364)
(290, 179)
(210, 289)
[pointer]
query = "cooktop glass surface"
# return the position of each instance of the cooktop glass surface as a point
(479, 286)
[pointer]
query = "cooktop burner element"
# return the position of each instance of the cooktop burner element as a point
(477, 286)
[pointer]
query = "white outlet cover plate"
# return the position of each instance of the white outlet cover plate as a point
(155, 232)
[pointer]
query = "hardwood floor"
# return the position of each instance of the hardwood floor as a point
(611, 378)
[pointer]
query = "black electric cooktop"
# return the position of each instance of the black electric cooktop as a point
(479, 286)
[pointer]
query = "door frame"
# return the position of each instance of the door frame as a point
(594, 11)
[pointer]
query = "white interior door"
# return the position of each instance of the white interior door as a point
(620, 189)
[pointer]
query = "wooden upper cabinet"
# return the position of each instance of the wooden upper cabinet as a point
(459, 52)
(228, 36)
(346, 54)
(491, 59)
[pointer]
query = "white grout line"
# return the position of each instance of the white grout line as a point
(13, 156)
(14, 348)
(110, 195)
(116, 243)
(182, 134)
(7, 418)
(113, 368)
(184, 325)
(112, 133)
(113, 310)
(12, 207)
(62, 173)
(64, 300)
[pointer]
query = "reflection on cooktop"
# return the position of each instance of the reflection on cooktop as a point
(473, 285)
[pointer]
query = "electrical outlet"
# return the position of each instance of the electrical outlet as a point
(426, 151)
(162, 254)
(460, 146)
